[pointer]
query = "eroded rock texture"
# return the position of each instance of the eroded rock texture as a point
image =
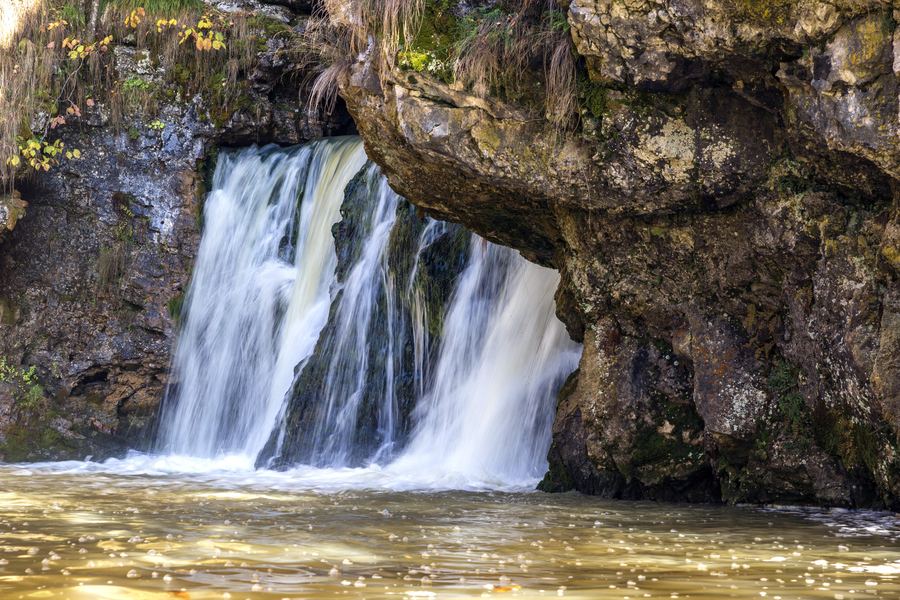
(92, 277)
(726, 224)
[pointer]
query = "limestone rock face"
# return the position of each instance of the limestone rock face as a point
(726, 226)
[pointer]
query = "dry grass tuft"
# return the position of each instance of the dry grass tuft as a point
(26, 68)
(394, 22)
(561, 97)
(497, 50)
(493, 50)
(44, 86)
(325, 52)
(111, 265)
(326, 86)
(518, 50)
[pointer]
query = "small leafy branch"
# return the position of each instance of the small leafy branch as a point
(78, 50)
(29, 394)
(135, 18)
(207, 33)
(206, 38)
(36, 150)
(38, 153)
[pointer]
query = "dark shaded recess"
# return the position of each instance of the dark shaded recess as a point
(303, 7)
(522, 220)
(684, 75)
(337, 123)
(84, 382)
(304, 439)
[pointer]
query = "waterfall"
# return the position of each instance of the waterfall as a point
(349, 360)
(259, 295)
(401, 343)
(490, 408)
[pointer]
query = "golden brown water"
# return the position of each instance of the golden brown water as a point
(80, 533)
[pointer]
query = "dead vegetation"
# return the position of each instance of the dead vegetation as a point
(517, 50)
(111, 265)
(59, 62)
(325, 52)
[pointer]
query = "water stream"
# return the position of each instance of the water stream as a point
(148, 529)
(266, 278)
(249, 318)
(402, 377)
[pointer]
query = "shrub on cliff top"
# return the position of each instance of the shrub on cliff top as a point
(56, 61)
(515, 50)
(156, 7)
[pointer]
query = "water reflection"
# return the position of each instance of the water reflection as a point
(73, 533)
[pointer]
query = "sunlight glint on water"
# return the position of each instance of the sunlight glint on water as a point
(85, 530)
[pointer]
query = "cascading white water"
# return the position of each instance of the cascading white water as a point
(488, 413)
(264, 285)
(419, 310)
(259, 295)
(346, 376)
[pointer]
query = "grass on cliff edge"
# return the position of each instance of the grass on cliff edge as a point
(157, 7)
(51, 72)
(514, 50)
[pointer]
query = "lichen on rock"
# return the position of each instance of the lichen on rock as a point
(725, 213)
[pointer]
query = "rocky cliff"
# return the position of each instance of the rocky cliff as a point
(94, 270)
(725, 218)
(720, 200)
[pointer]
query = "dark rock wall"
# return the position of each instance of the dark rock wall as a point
(93, 275)
(106, 246)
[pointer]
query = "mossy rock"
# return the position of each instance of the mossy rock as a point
(764, 12)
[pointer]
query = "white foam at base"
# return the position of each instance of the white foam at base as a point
(236, 471)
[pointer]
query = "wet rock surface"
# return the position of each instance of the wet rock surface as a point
(726, 226)
(93, 276)
(418, 282)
